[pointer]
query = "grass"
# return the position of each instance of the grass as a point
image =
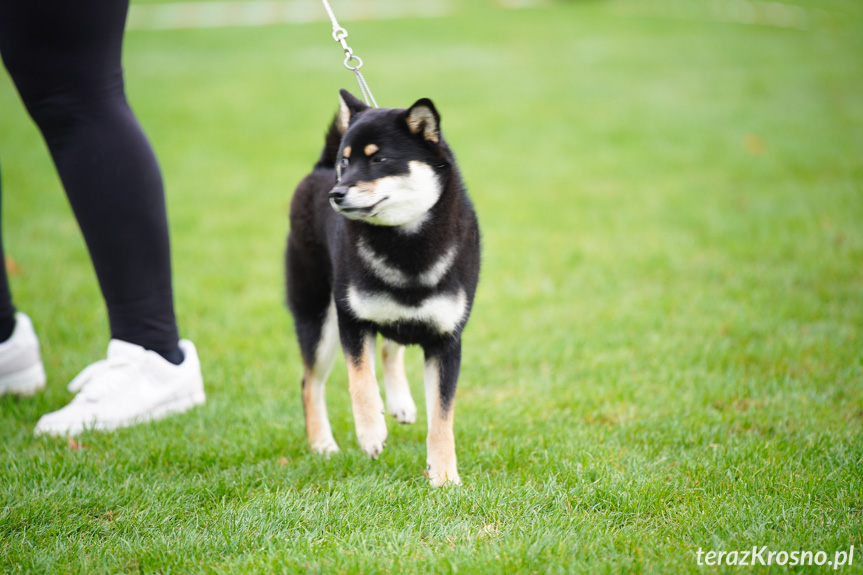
(665, 352)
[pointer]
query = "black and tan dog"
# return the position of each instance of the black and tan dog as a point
(383, 240)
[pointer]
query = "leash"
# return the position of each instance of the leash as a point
(339, 35)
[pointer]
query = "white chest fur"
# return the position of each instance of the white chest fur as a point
(444, 311)
(397, 278)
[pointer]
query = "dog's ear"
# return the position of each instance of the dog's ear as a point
(422, 118)
(349, 106)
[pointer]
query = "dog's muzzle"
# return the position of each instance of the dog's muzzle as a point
(337, 195)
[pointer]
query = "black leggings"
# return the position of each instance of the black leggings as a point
(64, 58)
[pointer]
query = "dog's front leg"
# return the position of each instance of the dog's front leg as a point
(368, 407)
(441, 376)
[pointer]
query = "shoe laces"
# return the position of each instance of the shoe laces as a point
(101, 378)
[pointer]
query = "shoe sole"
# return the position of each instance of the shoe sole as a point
(24, 383)
(173, 407)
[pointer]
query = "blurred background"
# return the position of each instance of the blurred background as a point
(621, 153)
(666, 189)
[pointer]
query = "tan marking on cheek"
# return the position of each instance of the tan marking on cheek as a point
(371, 149)
(347, 152)
(365, 187)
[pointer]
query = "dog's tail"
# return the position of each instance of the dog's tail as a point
(331, 147)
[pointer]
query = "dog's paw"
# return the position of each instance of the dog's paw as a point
(325, 447)
(373, 438)
(402, 408)
(439, 477)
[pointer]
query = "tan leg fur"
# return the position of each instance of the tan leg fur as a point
(442, 468)
(368, 406)
(318, 428)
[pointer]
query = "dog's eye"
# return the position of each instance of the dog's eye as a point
(345, 162)
(378, 159)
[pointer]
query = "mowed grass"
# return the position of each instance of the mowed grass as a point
(665, 351)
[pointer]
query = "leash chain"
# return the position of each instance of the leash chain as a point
(339, 35)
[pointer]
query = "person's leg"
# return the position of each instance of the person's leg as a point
(64, 58)
(21, 369)
(7, 310)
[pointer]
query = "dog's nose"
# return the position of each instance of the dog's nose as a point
(338, 194)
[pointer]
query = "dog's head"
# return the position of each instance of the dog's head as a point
(391, 165)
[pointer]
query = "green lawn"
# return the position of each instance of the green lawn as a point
(665, 352)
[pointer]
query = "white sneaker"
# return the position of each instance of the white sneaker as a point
(21, 369)
(132, 386)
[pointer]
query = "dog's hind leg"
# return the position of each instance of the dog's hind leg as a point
(441, 375)
(400, 404)
(316, 324)
(315, 375)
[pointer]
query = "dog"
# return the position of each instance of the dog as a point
(383, 240)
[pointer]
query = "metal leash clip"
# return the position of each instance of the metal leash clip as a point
(339, 35)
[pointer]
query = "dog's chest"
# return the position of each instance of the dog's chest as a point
(443, 312)
(428, 277)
